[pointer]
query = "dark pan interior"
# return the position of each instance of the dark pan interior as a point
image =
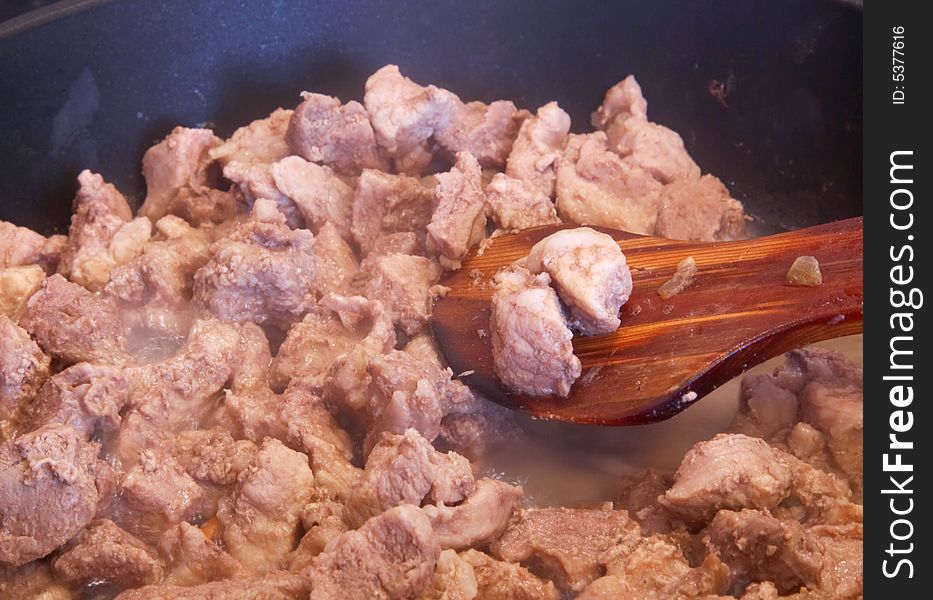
(92, 84)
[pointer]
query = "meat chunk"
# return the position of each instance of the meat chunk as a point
(479, 519)
(87, 397)
(728, 471)
(453, 579)
(21, 246)
(384, 204)
(33, 580)
(589, 272)
(73, 324)
(261, 519)
(214, 460)
(335, 265)
(23, 368)
(459, 219)
(278, 585)
(17, 284)
(498, 580)
(323, 130)
(323, 522)
(262, 273)
(321, 196)
(390, 556)
(405, 116)
(622, 102)
(50, 467)
(531, 342)
(515, 205)
(564, 544)
(404, 285)
(262, 141)
(179, 162)
(103, 233)
(639, 495)
(699, 209)
(104, 553)
(191, 558)
(406, 469)
(597, 187)
(836, 410)
(537, 148)
(486, 131)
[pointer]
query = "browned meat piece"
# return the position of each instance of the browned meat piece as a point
(179, 162)
(406, 469)
(459, 219)
(453, 579)
(498, 580)
(23, 369)
(262, 273)
(486, 131)
(321, 196)
(639, 496)
(49, 467)
(103, 233)
(515, 205)
(87, 397)
(405, 116)
(34, 581)
(729, 471)
(156, 494)
(589, 272)
(537, 148)
(73, 324)
(390, 556)
(530, 338)
(596, 187)
(323, 522)
(335, 265)
(207, 206)
(104, 553)
(404, 284)
(385, 204)
(323, 130)
(655, 148)
(564, 544)
(262, 141)
(17, 284)
(261, 519)
(277, 585)
(21, 246)
(479, 519)
(699, 209)
(191, 558)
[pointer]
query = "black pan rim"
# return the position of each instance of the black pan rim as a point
(46, 14)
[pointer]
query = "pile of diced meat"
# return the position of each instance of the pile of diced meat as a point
(234, 393)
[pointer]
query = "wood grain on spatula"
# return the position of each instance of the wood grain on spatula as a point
(738, 312)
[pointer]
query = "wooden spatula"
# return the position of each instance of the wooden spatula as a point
(667, 353)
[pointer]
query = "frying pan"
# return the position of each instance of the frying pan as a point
(766, 94)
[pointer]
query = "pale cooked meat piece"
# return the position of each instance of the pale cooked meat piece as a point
(49, 467)
(323, 130)
(531, 342)
(321, 196)
(207, 206)
(16, 285)
(622, 102)
(404, 284)
(24, 367)
(730, 471)
(406, 469)
(74, 324)
(105, 554)
(639, 496)
(453, 579)
(384, 204)
(459, 219)
(683, 277)
(323, 522)
(499, 580)
(700, 210)
(400, 242)
(276, 585)
(805, 272)
(262, 141)
(391, 556)
(836, 410)
(262, 273)
(261, 519)
(87, 397)
(597, 187)
(179, 161)
(589, 272)
(479, 519)
(486, 131)
(473, 430)
(422, 347)
(214, 460)
(103, 233)
(21, 246)
(766, 409)
(335, 264)
(34, 581)
(405, 116)
(255, 182)
(515, 205)
(538, 147)
(191, 558)
(564, 544)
